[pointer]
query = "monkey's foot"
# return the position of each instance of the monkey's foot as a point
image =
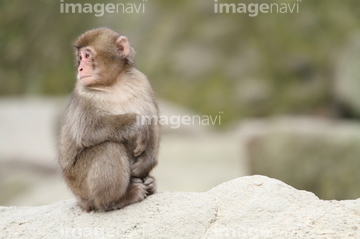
(150, 184)
(137, 192)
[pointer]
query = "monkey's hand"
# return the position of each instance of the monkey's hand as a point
(141, 141)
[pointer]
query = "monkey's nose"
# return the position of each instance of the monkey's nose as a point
(80, 69)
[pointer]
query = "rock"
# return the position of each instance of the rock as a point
(316, 155)
(347, 84)
(247, 207)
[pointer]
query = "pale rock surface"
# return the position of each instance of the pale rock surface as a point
(247, 207)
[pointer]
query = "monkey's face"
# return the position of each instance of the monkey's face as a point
(86, 72)
(102, 54)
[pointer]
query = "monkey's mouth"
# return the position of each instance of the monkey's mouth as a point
(82, 77)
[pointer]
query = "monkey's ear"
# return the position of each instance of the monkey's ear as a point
(123, 46)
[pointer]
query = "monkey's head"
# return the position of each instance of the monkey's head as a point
(101, 55)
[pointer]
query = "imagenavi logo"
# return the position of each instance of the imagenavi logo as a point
(100, 9)
(253, 9)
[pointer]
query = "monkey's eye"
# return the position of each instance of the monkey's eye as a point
(87, 55)
(80, 57)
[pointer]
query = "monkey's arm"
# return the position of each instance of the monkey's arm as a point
(141, 141)
(117, 128)
(131, 128)
(68, 151)
(98, 130)
(107, 128)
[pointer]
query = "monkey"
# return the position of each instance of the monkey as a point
(106, 151)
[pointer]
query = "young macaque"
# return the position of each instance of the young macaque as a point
(106, 149)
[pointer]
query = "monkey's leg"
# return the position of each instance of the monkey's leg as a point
(109, 176)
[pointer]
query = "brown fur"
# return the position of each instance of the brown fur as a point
(105, 153)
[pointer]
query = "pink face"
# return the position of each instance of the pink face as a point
(86, 69)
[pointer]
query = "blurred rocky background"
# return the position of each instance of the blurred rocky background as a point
(288, 86)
